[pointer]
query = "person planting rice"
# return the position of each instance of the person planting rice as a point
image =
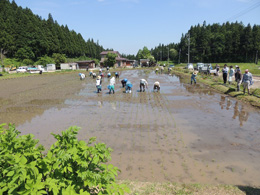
(98, 84)
(124, 82)
(117, 75)
(128, 87)
(156, 86)
(193, 77)
(162, 69)
(108, 75)
(143, 84)
(111, 85)
(82, 76)
(94, 75)
(90, 73)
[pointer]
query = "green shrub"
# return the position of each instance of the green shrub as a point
(69, 167)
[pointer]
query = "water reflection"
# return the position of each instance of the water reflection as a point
(241, 113)
(100, 104)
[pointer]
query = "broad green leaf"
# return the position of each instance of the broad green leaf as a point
(9, 174)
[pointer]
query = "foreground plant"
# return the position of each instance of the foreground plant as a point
(69, 167)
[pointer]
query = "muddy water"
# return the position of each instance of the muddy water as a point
(182, 134)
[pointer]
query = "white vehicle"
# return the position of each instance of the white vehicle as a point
(21, 69)
(190, 66)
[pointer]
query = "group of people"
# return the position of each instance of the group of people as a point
(125, 83)
(143, 85)
(246, 78)
(229, 73)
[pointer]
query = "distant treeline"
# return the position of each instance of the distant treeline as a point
(24, 35)
(229, 42)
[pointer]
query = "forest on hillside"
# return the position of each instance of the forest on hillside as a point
(24, 36)
(28, 38)
(229, 42)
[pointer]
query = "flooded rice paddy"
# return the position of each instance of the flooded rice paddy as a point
(184, 133)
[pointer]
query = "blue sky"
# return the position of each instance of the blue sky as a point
(129, 25)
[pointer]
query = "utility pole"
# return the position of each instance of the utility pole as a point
(179, 55)
(188, 48)
(256, 57)
(161, 56)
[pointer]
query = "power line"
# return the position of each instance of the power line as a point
(243, 12)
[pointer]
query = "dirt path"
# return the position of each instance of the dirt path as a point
(184, 133)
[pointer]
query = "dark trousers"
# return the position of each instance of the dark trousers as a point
(225, 77)
(142, 87)
(156, 87)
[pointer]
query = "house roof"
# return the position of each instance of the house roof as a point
(106, 52)
(86, 61)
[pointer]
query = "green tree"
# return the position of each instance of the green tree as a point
(44, 60)
(24, 53)
(110, 59)
(59, 58)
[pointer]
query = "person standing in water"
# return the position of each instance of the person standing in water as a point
(143, 85)
(156, 86)
(111, 85)
(98, 84)
(124, 82)
(128, 87)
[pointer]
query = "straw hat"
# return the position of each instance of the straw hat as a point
(246, 70)
(195, 72)
(99, 77)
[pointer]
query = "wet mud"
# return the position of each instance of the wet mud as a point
(184, 133)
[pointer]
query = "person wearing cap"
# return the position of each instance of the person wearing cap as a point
(94, 75)
(143, 84)
(82, 76)
(225, 72)
(231, 74)
(128, 87)
(124, 82)
(237, 68)
(238, 78)
(247, 81)
(111, 85)
(162, 69)
(193, 77)
(156, 86)
(117, 75)
(98, 84)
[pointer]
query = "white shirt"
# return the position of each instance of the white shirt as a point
(143, 81)
(157, 84)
